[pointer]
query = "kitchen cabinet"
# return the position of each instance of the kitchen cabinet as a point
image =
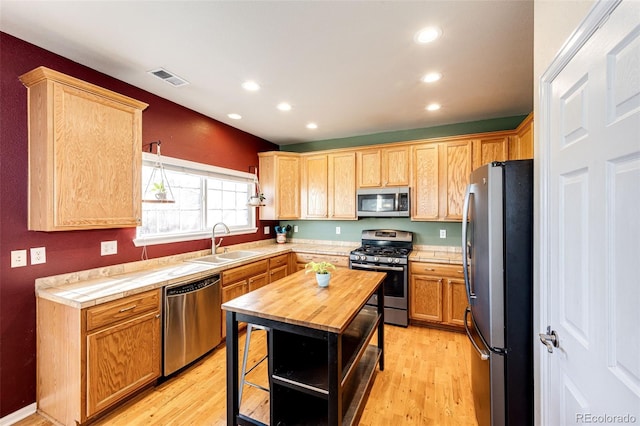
(381, 167)
(329, 186)
(280, 183)
(278, 268)
(521, 144)
(89, 359)
(337, 260)
(439, 180)
(241, 280)
(437, 294)
(84, 154)
(487, 150)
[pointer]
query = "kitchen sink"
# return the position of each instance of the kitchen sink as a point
(212, 259)
(235, 255)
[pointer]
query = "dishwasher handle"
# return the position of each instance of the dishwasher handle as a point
(184, 288)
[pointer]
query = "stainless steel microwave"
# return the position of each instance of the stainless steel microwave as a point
(383, 202)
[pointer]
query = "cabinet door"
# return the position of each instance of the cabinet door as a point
(277, 273)
(395, 166)
(521, 144)
(121, 359)
(454, 178)
(84, 154)
(425, 199)
(456, 301)
(369, 168)
(288, 188)
(426, 298)
(229, 292)
(258, 281)
(315, 191)
(342, 185)
(488, 150)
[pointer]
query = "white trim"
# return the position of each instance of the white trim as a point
(21, 414)
(165, 239)
(197, 167)
(598, 14)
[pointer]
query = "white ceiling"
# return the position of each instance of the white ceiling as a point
(350, 66)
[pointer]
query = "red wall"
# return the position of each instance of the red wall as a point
(185, 134)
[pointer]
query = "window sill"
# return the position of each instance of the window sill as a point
(177, 238)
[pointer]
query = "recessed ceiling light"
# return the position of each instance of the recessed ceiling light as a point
(431, 77)
(251, 86)
(427, 35)
(284, 106)
(234, 116)
(312, 126)
(433, 107)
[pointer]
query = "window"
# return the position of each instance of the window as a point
(204, 195)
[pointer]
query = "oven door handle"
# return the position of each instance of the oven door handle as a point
(377, 268)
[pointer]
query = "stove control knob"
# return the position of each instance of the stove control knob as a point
(390, 260)
(363, 257)
(396, 261)
(376, 259)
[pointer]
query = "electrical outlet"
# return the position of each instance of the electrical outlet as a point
(337, 230)
(443, 233)
(38, 255)
(295, 228)
(18, 258)
(108, 248)
(266, 230)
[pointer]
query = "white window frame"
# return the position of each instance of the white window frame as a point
(206, 170)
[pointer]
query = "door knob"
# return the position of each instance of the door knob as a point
(550, 339)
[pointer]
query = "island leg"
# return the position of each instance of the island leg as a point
(233, 405)
(381, 325)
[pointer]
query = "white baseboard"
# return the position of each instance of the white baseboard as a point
(16, 416)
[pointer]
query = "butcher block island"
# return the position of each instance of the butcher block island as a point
(322, 355)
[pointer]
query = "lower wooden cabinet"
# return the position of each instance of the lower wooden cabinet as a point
(437, 294)
(89, 359)
(338, 261)
(238, 281)
(278, 267)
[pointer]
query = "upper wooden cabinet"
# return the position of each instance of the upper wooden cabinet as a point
(521, 144)
(280, 183)
(490, 149)
(85, 148)
(440, 174)
(382, 167)
(329, 186)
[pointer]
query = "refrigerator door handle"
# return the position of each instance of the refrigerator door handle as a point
(466, 247)
(483, 355)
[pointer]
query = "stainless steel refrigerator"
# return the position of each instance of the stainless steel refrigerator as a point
(497, 238)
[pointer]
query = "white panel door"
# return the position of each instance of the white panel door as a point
(590, 223)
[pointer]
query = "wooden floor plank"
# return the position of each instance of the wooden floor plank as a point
(426, 381)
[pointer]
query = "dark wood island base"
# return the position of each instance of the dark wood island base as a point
(322, 358)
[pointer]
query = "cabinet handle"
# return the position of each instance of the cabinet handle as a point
(128, 309)
(157, 315)
(429, 269)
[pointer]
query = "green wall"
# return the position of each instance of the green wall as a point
(425, 233)
(493, 125)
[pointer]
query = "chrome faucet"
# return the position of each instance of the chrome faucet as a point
(214, 246)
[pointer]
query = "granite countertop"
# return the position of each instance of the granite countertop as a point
(91, 287)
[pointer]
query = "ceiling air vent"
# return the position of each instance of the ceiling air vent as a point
(169, 77)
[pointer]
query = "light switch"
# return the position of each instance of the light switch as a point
(18, 258)
(443, 233)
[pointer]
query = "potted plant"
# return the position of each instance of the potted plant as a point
(160, 190)
(257, 199)
(322, 271)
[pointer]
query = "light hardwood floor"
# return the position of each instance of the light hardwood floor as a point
(426, 381)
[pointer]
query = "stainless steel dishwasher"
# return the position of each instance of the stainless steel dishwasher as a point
(192, 321)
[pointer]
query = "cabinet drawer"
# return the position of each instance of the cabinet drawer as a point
(338, 261)
(437, 269)
(244, 272)
(122, 309)
(280, 260)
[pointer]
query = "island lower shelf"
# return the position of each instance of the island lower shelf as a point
(304, 386)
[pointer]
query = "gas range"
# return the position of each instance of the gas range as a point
(383, 246)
